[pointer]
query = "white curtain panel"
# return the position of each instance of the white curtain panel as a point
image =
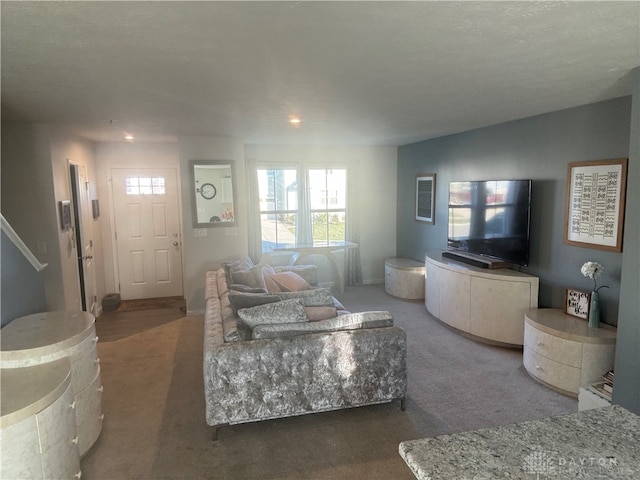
(253, 212)
(353, 273)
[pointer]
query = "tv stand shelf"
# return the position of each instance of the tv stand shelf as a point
(487, 304)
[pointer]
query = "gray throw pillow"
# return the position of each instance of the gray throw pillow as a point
(241, 300)
(352, 321)
(312, 298)
(287, 311)
(238, 287)
(243, 263)
(251, 277)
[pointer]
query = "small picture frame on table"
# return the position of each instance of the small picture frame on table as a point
(577, 303)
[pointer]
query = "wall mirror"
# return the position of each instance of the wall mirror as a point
(213, 194)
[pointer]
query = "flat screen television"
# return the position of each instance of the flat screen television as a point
(491, 218)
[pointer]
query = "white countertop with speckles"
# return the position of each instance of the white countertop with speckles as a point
(602, 443)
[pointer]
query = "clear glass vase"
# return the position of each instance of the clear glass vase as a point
(594, 311)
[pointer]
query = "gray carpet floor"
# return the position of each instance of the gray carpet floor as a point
(154, 426)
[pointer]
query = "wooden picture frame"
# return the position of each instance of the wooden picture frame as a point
(594, 204)
(577, 303)
(425, 206)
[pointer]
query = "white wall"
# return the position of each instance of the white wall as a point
(66, 149)
(205, 253)
(124, 155)
(376, 193)
(376, 185)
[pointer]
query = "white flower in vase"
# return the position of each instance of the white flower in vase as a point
(593, 270)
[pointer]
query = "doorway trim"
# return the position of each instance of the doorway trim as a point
(88, 300)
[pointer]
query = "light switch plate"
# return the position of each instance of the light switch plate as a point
(200, 232)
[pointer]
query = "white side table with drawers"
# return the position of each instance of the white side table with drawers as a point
(37, 424)
(563, 353)
(45, 337)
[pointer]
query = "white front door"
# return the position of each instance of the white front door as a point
(148, 238)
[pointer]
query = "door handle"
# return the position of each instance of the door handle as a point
(175, 244)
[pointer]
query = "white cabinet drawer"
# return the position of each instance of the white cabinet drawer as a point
(90, 429)
(57, 423)
(62, 460)
(455, 292)
(20, 452)
(89, 414)
(557, 374)
(555, 348)
(84, 362)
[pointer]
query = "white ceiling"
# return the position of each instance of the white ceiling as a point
(375, 73)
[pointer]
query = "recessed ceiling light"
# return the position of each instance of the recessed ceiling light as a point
(295, 121)
(128, 137)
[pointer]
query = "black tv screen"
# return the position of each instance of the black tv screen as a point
(491, 218)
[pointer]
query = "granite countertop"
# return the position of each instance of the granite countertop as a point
(602, 443)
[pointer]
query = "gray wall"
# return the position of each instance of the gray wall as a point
(22, 287)
(538, 148)
(627, 384)
(28, 200)
(35, 177)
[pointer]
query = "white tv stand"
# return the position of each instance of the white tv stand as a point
(487, 304)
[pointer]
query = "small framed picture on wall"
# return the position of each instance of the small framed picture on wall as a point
(426, 197)
(577, 303)
(65, 214)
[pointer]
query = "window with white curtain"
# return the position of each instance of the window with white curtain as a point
(302, 206)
